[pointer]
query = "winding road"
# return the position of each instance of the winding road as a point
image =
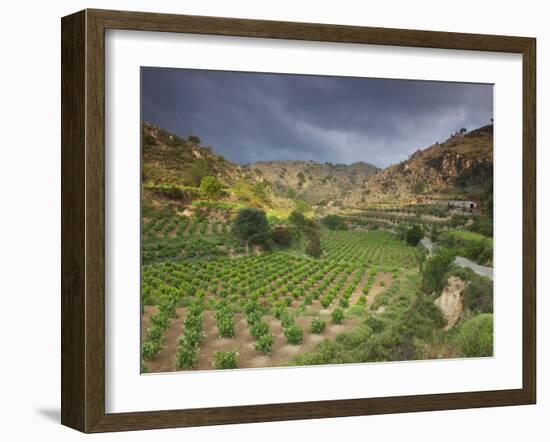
(461, 261)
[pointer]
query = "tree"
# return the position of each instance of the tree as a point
(313, 248)
(251, 225)
(475, 336)
(463, 130)
(283, 235)
(414, 235)
(199, 169)
(334, 222)
(297, 218)
(194, 139)
(311, 230)
(435, 268)
(401, 230)
(211, 187)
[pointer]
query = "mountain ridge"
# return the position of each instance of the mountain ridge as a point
(459, 167)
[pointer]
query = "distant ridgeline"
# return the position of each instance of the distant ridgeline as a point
(458, 171)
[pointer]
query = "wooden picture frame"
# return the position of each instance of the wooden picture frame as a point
(83, 220)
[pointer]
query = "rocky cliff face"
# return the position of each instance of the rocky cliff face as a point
(169, 159)
(450, 302)
(461, 165)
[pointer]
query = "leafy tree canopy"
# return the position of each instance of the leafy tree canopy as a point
(251, 225)
(414, 235)
(211, 187)
(334, 222)
(435, 268)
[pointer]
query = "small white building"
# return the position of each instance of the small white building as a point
(466, 204)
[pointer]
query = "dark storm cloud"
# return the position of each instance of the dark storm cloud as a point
(250, 117)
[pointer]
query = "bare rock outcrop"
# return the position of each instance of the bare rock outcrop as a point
(451, 301)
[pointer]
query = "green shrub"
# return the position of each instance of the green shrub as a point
(475, 337)
(226, 327)
(293, 334)
(334, 222)
(353, 339)
(251, 225)
(337, 316)
(317, 326)
(313, 248)
(224, 360)
(150, 348)
(414, 235)
(154, 333)
(325, 301)
(224, 321)
(279, 311)
(259, 329)
(264, 343)
(375, 324)
(283, 235)
(187, 355)
(327, 352)
(160, 320)
(343, 303)
(482, 225)
(287, 320)
(478, 295)
(211, 187)
(435, 268)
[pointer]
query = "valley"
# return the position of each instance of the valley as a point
(302, 263)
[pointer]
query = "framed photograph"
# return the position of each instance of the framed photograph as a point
(267, 221)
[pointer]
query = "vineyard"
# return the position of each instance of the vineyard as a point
(209, 302)
(290, 262)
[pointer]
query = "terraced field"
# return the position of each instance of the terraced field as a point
(206, 303)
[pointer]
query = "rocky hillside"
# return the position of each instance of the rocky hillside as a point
(169, 159)
(462, 165)
(311, 181)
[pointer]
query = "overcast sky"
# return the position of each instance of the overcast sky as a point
(249, 117)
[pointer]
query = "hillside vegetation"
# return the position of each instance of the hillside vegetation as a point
(297, 262)
(316, 183)
(458, 168)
